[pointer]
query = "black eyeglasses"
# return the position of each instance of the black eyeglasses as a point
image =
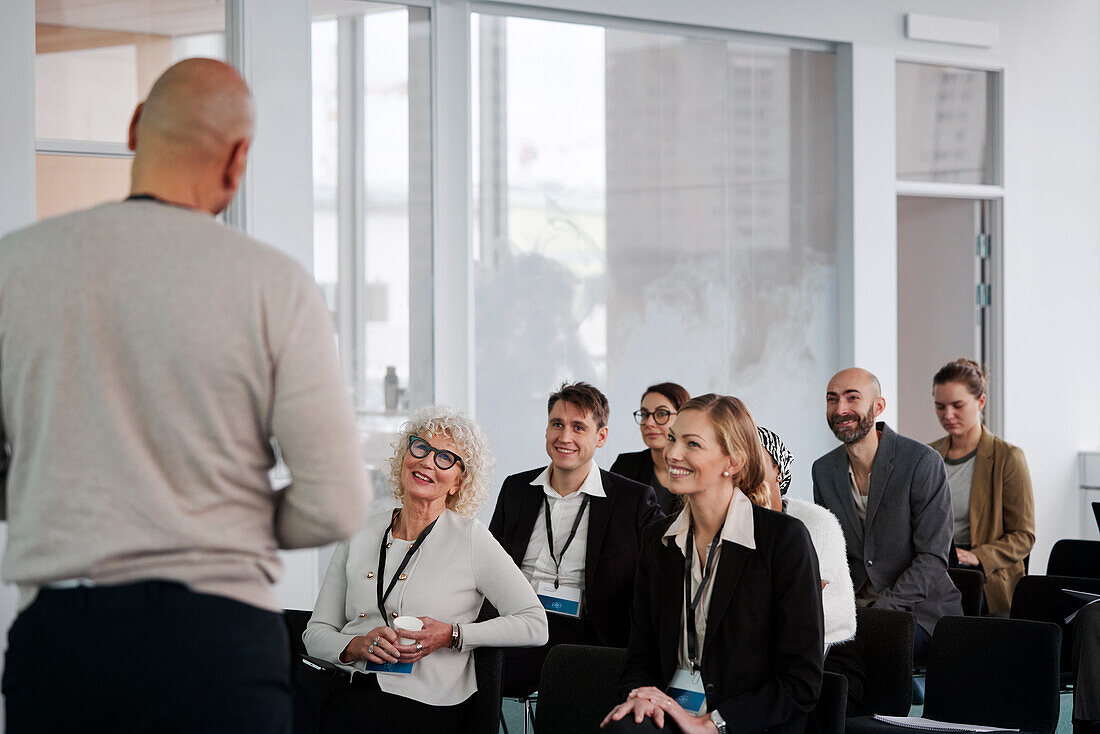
(444, 459)
(660, 416)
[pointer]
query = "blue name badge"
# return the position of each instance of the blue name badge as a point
(564, 600)
(398, 668)
(686, 689)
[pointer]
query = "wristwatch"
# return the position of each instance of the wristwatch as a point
(718, 721)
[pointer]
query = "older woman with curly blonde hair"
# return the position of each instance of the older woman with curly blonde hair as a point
(417, 575)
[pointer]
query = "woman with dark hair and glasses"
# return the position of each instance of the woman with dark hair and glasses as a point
(660, 403)
(416, 575)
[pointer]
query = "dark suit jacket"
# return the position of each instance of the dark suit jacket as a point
(615, 525)
(638, 465)
(762, 654)
(910, 524)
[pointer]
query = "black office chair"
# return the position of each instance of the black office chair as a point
(1040, 598)
(578, 686)
(483, 710)
(296, 621)
(1075, 558)
(989, 671)
(970, 582)
(887, 642)
(829, 712)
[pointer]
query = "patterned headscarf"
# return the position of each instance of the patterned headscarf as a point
(780, 454)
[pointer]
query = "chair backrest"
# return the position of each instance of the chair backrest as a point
(579, 685)
(1041, 599)
(995, 672)
(296, 621)
(483, 708)
(887, 642)
(831, 704)
(969, 582)
(1075, 558)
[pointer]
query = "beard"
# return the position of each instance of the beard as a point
(853, 434)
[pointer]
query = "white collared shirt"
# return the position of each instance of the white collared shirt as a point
(738, 528)
(537, 564)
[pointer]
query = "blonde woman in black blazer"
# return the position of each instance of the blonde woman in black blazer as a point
(754, 661)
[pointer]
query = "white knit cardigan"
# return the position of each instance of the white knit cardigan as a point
(838, 598)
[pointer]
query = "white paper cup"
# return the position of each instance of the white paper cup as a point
(407, 623)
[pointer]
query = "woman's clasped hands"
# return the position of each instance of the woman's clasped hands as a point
(381, 645)
(656, 704)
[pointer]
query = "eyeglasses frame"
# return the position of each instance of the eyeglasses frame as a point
(413, 438)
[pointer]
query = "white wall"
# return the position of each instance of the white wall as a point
(1049, 54)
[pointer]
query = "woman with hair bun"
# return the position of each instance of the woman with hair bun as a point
(660, 403)
(727, 621)
(990, 485)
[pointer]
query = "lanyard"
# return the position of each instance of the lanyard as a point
(550, 535)
(382, 567)
(690, 602)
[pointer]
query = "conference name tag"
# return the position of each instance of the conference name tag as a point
(564, 600)
(393, 668)
(686, 689)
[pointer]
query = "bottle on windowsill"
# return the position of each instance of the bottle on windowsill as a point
(390, 389)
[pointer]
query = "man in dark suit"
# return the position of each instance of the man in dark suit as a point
(575, 531)
(891, 496)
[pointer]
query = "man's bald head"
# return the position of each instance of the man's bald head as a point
(859, 378)
(192, 134)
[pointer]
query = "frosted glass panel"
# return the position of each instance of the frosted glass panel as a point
(946, 124)
(651, 207)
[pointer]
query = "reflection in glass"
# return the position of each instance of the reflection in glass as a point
(651, 207)
(95, 62)
(946, 130)
(65, 183)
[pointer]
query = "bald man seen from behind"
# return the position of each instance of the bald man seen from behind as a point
(148, 358)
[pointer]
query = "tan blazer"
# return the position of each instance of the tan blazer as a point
(1002, 515)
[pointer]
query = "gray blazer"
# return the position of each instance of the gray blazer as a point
(905, 546)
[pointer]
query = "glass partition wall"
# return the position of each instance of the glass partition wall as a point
(648, 207)
(94, 61)
(372, 207)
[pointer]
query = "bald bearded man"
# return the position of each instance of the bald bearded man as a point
(891, 496)
(148, 358)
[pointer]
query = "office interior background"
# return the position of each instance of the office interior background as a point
(742, 197)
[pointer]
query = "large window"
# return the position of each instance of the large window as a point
(651, 207)
(372, 206)
(94, 62)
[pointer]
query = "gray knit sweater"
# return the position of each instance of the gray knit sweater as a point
(148, 355)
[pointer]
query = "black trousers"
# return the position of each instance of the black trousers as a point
(1086, 663)
(327, 702)
(146, 657)
(523, 665)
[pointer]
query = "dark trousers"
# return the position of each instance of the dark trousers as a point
(146, 657)
(1086, 664)
(523, 665)
(627, 725)
(327, 702)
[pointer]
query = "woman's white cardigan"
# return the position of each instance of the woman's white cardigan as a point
(459, 565)
(838, 598)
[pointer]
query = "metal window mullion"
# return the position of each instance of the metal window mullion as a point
(236, 53)
(350, 206)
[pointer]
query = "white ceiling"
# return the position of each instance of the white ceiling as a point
(161, 17)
